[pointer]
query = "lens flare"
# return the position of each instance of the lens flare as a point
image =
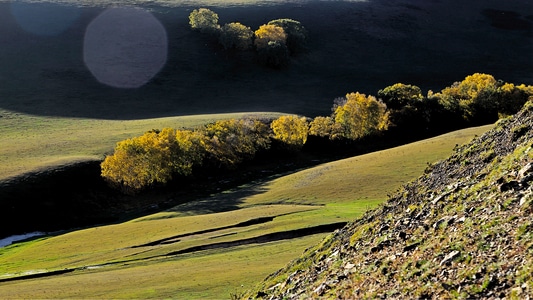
(45, 19)
(125, 47)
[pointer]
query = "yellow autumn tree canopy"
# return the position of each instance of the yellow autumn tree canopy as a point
(229, 142)
(291, 130)
(360, 115)
(153, 157)
(269, 34)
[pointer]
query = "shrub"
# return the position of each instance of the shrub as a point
(204, 20)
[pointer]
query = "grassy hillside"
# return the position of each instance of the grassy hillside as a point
(187, 252)
(461, 230)
(49, 98)
(33, 142)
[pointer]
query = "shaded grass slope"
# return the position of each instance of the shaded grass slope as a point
(461, 230)
(353, 46)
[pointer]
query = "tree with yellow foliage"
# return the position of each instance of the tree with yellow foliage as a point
(291, 130)
(269, 33)
(359, 115)
(151, 158)
(324, 127)
(474, 97)
(511, 98)
(230, 142)
(271, 44)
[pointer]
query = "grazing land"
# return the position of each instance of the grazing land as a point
(357, 46)
(54, 112)
(188, 252)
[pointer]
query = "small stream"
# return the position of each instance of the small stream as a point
(19, 237)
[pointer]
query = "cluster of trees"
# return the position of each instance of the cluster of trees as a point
(274, 42)
(157, 156)
(476, 100)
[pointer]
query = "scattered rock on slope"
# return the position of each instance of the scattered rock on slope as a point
(462, 230)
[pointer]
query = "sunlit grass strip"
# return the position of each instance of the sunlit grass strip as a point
(114, 242)
(29, 143)
(367, 177)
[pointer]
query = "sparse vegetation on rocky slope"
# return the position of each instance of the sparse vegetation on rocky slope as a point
(462, 230)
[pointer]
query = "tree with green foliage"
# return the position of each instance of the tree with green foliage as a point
(230, 142)
(406, 106)
(400, 95)
(204, 20)
(359, 115)
(236, 36)
(296, 34)
(291, 130)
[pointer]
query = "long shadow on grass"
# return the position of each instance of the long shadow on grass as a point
(175, 239)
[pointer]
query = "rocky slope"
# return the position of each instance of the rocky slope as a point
(464, 229)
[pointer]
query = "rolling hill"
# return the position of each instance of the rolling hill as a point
(461, 230)
(218, 245)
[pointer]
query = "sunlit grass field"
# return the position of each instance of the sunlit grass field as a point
(29, 143)
(105, 264)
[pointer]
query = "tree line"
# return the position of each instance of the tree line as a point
(275, 42)
(159, 155)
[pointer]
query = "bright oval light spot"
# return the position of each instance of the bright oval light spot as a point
(44, 19)
(125, 47)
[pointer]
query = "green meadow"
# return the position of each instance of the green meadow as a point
(168, 254)
(31, 142)
(54, 113)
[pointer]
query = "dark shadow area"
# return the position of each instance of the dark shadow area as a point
(76, 196)
(353, 46)
(508, 20)
(38, 275)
